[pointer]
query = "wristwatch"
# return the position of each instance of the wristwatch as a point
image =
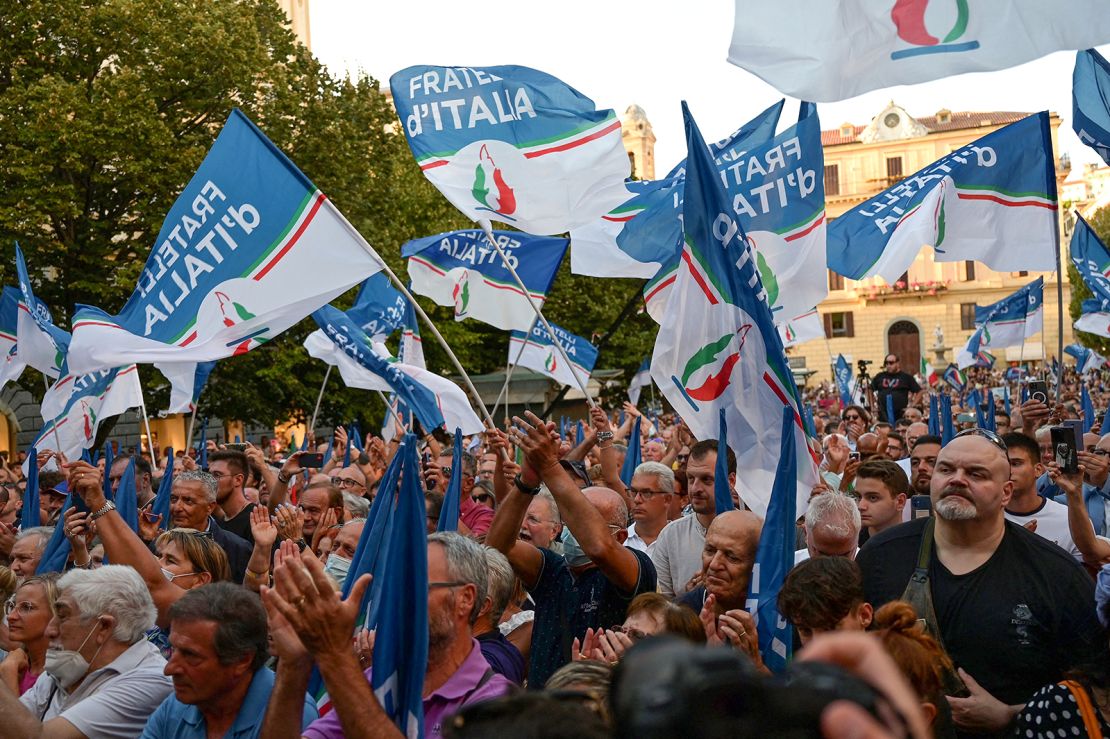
(604, 436)
(108, 506)
(283, 479)
(524, 488)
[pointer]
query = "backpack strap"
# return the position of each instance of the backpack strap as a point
(1086, 708)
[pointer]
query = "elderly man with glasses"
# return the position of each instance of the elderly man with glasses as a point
(893, 382)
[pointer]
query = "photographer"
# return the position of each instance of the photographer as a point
(892, 381)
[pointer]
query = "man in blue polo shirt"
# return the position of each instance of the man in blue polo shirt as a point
(218, 633)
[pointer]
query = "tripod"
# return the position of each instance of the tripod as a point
(862, 387)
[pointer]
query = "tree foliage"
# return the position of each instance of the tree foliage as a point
(107, 107)
(1100, 223)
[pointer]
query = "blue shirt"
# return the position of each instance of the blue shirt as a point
(176, 720)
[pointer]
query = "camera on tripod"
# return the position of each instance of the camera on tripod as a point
(861, 365)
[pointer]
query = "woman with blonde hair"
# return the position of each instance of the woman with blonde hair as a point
(29, 613)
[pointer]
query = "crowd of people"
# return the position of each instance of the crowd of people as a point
(940, 587)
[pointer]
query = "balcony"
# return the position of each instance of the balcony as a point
(902, 290)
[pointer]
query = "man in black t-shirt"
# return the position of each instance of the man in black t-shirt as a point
(894, 382)
(1014, 611)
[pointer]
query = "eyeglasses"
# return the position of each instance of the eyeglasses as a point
(631, 633)
(448, 584)
(24, 607)
(1101, 452)
(346, 482)
(988, 435)
(645, 494)
(482, 497)
(853, 418)
(890, 361)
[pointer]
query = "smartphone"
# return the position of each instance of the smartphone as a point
(236, 446)
(1065, 448)
(921, 506)
(1038, 390)
(311, 460)
(853, 456)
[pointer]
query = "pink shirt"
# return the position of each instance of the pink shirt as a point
(476, 516)
(462, 689)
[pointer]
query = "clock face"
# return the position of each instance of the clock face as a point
(891, 120)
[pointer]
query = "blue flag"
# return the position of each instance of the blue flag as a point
(161, 504)
(460, 269)
(127, 497)
(1013, 374)
(42, 345)
(955, 377)
(106, 483)
(843, 373)
(1090, 89)
(452, 501)
(401, 646)
(934, 415)
(775, 555)
(1006, 398)
(1105, 428)
(347, 449)
(512, 144)
(346, 335)
(947, 431)
(31, 516)
(538, 350)
(976, 403)
(379, 307)
(973, 203)
(1088, 408)
(633, 456)
(890, 408)
(202, 448)
(579, 433)
(722, 490)
(1091, 259)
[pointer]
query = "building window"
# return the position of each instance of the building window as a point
(893, 169)
(967, 316)
(832, 179)
(839, 325)
(968, 271)
(632, 164)
(836, 281)
(1022, 273)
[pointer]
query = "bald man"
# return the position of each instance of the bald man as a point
(726, 562)
(1015, 612)
(591, 584)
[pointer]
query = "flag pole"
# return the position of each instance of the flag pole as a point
(389, 408)
(1059, 316)
(192, 424)
(509, 367)
(488, 229)
(319, 397)
(146, 424)
(420, 311)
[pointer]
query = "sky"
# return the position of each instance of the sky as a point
(653, 53)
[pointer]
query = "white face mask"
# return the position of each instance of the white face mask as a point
(68, 666)
(337, 567)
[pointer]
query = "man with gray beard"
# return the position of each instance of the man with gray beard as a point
(1013, 610)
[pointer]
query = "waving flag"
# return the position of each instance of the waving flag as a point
(11, 366)
(934, 415)
(127, 497)
(537, 351)
(161, 504)
(1009, 322)
(843, 372)
(613, 247)
(460, 269)
(1086, 360)
(512, 144)
(42, 345)
(248, 249)
(1090, 90)
(640, 380)
(379, 307)
(449, 512)
(801, 329)
(634, 456)
(827, 51)
(411, 351)
(974, 203)
(94, 397)
(722, 488)
(774, 556)
(777, 190)
(350, 340)
(947, 431)
(1092, 261)
(928, 374)
(955, 377)
(58, 548)
(1088, 408)
(718, 346)
(30, 514)
(187, 380)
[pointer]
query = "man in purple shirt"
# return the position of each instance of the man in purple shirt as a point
(457, 674)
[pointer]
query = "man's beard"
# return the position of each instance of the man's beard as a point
(956, 508)
(441, 630)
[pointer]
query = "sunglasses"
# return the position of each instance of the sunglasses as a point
(482, 497)
(853, 418)
(988, 435)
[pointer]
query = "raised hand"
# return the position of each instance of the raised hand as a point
(263, 530)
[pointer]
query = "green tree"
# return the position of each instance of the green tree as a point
(1100, 223)
(107, 107)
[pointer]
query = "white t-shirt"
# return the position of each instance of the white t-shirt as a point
(1052, 524)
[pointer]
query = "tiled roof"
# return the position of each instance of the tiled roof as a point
(957, 121)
